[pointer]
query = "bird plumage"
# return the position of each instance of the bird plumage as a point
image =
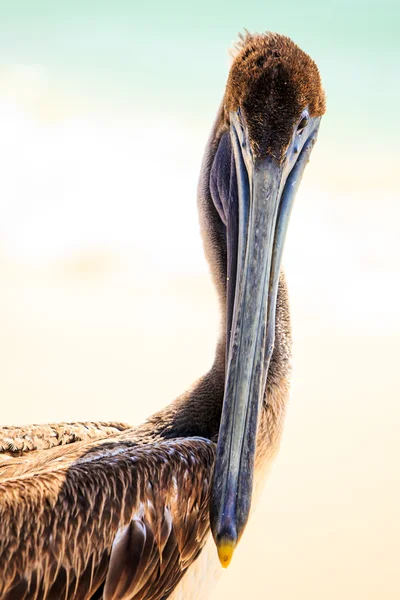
(121, 521)
(17, 440)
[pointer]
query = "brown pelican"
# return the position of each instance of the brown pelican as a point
(106, 511)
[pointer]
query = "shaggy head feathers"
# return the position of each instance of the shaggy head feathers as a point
(272, 81)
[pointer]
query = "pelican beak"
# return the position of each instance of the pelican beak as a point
(266, 190)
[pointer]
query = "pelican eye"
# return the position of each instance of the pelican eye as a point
(302, 125)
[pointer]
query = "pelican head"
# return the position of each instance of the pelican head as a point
(261, 143)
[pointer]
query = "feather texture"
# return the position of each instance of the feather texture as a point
(16, 440)
(118, 525)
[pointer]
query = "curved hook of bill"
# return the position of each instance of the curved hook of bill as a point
(266, 191)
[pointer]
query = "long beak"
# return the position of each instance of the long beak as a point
(266, 191)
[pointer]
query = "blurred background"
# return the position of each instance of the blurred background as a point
(106, 307)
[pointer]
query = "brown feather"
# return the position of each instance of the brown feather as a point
(15, 440)
(66, 521)
(272, 80)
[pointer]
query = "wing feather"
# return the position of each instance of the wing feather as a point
(119, 523)
(17, 440)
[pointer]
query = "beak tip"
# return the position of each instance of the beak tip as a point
(225, 547)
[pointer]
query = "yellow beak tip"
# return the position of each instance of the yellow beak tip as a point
(225, 552)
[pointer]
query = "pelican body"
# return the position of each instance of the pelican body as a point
(96, 510)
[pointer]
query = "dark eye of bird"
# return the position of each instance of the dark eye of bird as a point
(302, 125)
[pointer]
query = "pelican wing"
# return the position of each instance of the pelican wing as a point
(121, 522)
